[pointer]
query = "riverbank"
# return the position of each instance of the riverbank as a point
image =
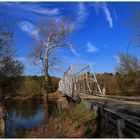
(51, 96)
(66, 119)
(73, 122)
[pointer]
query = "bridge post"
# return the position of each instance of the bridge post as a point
(86, 103)
(120, 126)
(95, 108)
(99, 123)
(106, 119)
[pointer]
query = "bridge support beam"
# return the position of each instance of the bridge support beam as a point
(95, 108)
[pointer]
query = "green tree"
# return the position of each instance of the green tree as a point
(10, 76)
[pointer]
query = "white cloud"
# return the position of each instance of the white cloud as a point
(54, 11)
(108, 15)
(116, 58)
(102, 6)
(29, 28)
(91, 47)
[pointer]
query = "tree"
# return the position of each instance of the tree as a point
(10, 69)
(53, 34)
(128, 69)
(30, 87)
(133, 23)
(128, 63)
(7, 48)
(10, 76)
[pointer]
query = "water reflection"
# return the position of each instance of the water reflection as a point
(23, 115)
(27, 114)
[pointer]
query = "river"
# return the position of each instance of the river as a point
(26, 114)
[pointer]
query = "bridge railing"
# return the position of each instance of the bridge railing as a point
(123, 124)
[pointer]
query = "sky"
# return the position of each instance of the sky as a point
(101, 32)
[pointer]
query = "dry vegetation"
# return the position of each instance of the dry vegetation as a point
(72, 122)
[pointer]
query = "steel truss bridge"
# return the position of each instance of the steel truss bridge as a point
(79, 78)
(123, 112)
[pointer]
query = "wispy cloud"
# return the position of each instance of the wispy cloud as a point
(82, 9)
(81, 14)
(91, 48)
(73, 50)
(33, 7)
(108, 15)
(102, 6)
(30, 11)
(29, 28)
(115, 13)
(116, 58)
(45, 11)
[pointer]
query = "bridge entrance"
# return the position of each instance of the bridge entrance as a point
(79, 78)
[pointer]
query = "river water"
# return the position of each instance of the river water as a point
(26, 114)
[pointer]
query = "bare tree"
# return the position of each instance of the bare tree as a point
(7, 48)
(128, 72)
(128, 63)
(133, 23)
(52, 34)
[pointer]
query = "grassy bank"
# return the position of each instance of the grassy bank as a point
(53, 95)
(75, 121)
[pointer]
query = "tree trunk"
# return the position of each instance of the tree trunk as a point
(2, 120)
(46, 88)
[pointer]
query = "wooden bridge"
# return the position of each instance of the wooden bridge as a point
(80, 82)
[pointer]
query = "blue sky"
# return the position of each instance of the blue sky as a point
(102, 31)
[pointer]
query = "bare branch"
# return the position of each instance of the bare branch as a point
(53, 34)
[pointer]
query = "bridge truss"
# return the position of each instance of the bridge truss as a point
(79, 78)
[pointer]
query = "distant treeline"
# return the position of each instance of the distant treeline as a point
(26, 86)
(34, 85)
(120, 84)
(115, 84)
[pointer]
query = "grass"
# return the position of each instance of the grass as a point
(75, 121)
(54, 95)
(82, 113)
